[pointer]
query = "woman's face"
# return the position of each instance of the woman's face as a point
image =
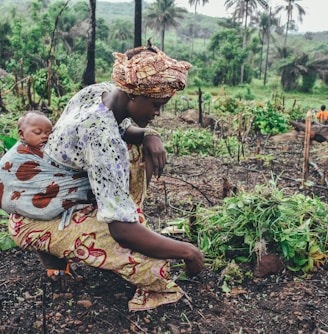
(143, 109)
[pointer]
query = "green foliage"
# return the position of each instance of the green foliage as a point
(190, 141)
(265, 220)
(228, 104)
(7, 142)
(269, 120)
(9, 133)
(200, 141)
(247, 96)
(6, 241)
(227, 46)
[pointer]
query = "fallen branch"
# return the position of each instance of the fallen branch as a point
(319, 132)
(193, 186)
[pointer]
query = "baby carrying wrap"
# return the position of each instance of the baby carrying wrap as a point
(33, 185)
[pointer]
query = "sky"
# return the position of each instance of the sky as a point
(316, 18)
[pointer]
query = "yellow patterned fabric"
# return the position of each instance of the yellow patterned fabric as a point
(87, 240)
(148, 73)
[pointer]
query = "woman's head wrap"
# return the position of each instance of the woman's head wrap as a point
(149, 72)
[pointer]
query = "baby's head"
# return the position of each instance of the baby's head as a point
(34, 128)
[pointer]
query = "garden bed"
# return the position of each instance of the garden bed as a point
(286, 302)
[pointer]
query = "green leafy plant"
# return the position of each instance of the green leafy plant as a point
(264, 220)
(6, 241)
(9, 133)
(269, 120)
(200, 141)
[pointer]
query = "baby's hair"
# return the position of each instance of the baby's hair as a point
(323, 107)
(22, 118)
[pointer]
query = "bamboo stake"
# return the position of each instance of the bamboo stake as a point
(306, 146)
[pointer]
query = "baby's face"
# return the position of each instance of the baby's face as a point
(35, 130)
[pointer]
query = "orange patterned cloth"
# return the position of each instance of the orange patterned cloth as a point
(150, 74)
(87, 240)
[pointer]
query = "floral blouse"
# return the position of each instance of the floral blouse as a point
(87, 137)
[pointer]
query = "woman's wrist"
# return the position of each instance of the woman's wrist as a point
(151, 132)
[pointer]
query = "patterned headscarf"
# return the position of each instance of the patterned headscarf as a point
(149, 72)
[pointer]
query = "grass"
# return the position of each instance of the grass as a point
(260, 93)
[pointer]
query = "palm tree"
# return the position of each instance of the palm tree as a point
(162, 15)
(195, 3)
(289, 8)
(265, 22)
(243, 8)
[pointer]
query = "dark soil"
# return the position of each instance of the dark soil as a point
(280, 303)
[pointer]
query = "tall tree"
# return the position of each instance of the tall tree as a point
(162, 15)
(137, 22)
(195, 3)
(89, 75)
(226, 46)
(242, 10)
(290, 6)
(5, 50)
(266, 23)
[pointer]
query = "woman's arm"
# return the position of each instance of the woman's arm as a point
(153, 149)
(139, 238)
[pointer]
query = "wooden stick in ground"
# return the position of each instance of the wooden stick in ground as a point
(306, 146)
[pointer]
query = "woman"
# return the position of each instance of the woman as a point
(94, 134)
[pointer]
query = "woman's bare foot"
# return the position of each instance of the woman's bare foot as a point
(58, 268)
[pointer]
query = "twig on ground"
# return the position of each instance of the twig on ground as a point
(193, 186)
(132, 322)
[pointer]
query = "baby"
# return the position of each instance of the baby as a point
(34, 129)
(31, 184)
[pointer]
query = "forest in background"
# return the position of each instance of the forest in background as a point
(44, 48)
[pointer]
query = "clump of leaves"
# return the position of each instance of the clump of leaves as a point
(9, 133)
(6, 241)
(269, 120)
(293, 227)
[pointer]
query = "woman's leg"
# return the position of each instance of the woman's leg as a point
(86, 240)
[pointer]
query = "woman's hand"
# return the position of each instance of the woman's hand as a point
(153, 150)
(154, 155)
(195, 264)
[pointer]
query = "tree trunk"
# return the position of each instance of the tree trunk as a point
(261, 56)
(162, 38)
(267, 50)
(137, 23)
(193, 30)
(289, 18)
(244, 44)
(89, 74)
